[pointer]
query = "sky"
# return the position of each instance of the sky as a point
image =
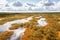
(29, 5)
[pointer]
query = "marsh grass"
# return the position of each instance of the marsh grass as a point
(34, 32)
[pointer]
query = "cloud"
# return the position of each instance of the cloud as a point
(2, 3)
(17, 4)
(31, 4)
(43, 5)
(19, 8)
(57, 5)
(47, 6)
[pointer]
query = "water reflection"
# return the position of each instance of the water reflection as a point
(18, 32)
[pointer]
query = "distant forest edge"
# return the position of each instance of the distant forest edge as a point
(7, 14)
(29, 13)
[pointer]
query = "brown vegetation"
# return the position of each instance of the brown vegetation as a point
(34, 32)
(6, 34)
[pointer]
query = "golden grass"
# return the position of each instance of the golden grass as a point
(33, 32)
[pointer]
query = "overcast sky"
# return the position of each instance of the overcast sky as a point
(30, 5)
